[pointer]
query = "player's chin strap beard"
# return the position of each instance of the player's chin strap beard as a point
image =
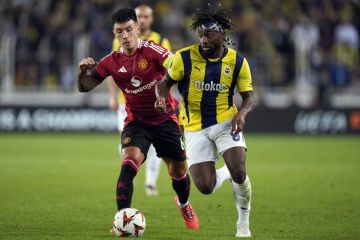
(215, 26)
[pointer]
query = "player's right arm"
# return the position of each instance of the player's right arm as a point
(85, 82)
(91, 73)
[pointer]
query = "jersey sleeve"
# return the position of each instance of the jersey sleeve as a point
(244, 81)
(101, 70)
(176, 71)
(164, 57)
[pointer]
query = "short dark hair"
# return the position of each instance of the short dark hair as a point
(124, 15)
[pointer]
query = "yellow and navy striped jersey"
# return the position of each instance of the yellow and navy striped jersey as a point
(207, 85)
(155, 37)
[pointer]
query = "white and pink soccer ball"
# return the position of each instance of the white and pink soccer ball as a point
(129, 222)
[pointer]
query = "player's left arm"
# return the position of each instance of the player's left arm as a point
(244, 84)
(175, 73)
(162, 92)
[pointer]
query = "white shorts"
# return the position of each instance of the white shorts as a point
(121, 115)
(207, 144)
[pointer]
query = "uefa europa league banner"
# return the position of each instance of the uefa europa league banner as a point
(261, 120)
(57, 119)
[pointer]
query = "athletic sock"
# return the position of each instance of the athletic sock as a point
(222, 174)
(182, 189)
(242, 196)
(125, 186)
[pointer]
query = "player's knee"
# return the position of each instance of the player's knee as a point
(238, 175)
(204, 188)
(129, 162)
(177, 169)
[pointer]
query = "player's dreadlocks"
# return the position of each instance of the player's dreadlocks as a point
(220, 20)
(222, 17)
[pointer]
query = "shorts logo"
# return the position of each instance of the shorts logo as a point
(136, 81)
(235, 136)
(182, 144)
(143, 64)
(227, 70)
(126, 140)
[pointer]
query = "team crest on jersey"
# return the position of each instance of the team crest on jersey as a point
(143, 64)
(136, 81)
(227, 70)
(126, 140)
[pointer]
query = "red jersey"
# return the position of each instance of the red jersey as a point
(137, 75)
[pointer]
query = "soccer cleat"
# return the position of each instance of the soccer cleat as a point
(151, 190)
(189, 215)
(243, 231)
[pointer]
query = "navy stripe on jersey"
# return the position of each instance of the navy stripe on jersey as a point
(184, 83)
(238, 64)
(208, 100)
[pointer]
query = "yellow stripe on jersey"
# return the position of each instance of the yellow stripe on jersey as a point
(155, 37)
(207, 86)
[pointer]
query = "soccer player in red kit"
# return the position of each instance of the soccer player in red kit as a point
(136, 68)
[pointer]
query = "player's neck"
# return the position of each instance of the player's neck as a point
(131, 51)
(216, 54)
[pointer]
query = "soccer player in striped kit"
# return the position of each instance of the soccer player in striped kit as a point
(207, 74)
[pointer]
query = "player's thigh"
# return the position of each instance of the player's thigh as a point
(168, 141)
(199, 147)
(220, 134)
(204, 175)
(135, 136)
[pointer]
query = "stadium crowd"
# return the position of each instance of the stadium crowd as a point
(285, 41)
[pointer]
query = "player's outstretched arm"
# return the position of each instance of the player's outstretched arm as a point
(162, 92)
(85, 81)
(247, 106)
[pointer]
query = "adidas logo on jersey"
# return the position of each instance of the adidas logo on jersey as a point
(122, 69)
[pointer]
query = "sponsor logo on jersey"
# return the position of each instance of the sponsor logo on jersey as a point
(136, 81)
(122, 69)
(142, 88)
(211, 87)
(143, 64)
(227, 70)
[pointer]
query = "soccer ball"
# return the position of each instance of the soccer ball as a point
(129, 222)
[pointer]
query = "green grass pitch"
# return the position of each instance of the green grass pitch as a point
(62, 186)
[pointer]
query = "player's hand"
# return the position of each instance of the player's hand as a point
(238, 123)
(86, 63)
(113, 104)
(160, 104)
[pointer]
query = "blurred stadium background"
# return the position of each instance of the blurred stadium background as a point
(304, 57)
